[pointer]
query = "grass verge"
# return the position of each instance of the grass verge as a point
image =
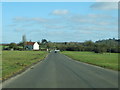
(106, 60)
(15, 61)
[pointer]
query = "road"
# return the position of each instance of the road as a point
(59, 71)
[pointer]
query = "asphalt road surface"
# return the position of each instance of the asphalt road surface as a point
(59, 71)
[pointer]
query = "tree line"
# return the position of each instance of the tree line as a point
(100, 46)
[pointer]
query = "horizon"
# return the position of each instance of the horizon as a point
(61, 42)
(59, 21)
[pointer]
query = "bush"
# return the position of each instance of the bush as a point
(100, 48)
(6, 48)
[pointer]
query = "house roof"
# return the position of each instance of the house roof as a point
(30, 43)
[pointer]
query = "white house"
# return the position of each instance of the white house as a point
(35, 46)
(32, 46)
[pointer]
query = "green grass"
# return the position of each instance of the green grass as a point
(0, 47)
(0, 64)
(4, 46)
(15, 61)
(106, 60)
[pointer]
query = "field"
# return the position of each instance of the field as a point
(16, 61)
(0, 65)
(106, 60)
(0, 47)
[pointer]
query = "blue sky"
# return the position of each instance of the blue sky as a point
(59, 21)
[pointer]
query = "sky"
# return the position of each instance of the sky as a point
(59, 0)
(59, 21)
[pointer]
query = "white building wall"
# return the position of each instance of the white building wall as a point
(36, 46)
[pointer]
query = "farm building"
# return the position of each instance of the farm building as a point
(32, 46)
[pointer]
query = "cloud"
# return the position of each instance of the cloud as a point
(69, 23)
(55, 26)
(59, 0)
(12, 25)
(26, 19)
(20, 29)
(60, 12)
(37, 20)
(101, 16)
(97, 28)
(107, 0)
(94, 19)
(43, 20)
(20, 19)
(105, 6)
